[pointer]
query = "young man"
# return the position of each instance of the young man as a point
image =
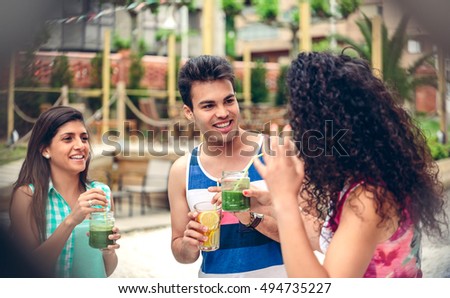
(248, 243)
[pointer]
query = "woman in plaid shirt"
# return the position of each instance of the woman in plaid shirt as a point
(52, 200)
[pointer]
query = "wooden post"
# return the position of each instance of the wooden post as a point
(12, 80)
(65, 95)
(305, 26)
(120, 105)
(377, 47)
(333, 10)
(247, 81)
(208, 26)
(442, 85)
(171, 72)
(184, 31)
(106, 80)
(171, 77)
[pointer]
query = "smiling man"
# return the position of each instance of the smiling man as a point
(248, 240)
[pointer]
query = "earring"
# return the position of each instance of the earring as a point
(47, 156)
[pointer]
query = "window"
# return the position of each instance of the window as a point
(414, 47)
(380, 10)
(257, 31)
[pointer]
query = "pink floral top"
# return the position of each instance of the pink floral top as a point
(399, 256)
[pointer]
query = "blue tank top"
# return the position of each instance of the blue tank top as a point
(243, 252)
(87, 261)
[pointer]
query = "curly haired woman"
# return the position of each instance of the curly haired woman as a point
(362, 157)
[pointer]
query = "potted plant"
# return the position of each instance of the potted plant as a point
(122, 46)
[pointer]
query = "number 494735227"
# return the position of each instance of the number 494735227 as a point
(304, 287)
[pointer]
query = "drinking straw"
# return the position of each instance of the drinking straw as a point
(250, 164)
(246, 170)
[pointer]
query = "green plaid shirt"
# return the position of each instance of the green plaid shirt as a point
(57, 210)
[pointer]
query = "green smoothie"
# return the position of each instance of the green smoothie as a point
(98, 237)
(100, 227)
(234, 201)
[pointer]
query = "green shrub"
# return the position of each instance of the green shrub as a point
(347, 7)
(96, 76)
(438, 150)
(120, 43)
(266, 10)
(28, 102)
(61, 76)
(430, 127)
(61, 73)
(320, 8)
(259, 90)
(281, 97)
(238, 87)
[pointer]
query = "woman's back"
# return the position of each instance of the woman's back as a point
(398, 256)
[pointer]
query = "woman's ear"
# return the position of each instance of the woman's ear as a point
(45, 153)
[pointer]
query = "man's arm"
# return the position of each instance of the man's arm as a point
(313, 224)
(268, 226)
(185, 231)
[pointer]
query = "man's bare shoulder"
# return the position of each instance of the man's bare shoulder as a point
(180, 163)
(178, 169)
(177, 181)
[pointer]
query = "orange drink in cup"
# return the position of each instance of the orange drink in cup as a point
(209, 215)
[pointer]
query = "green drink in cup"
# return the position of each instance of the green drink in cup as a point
(233, 183)
(100, 227)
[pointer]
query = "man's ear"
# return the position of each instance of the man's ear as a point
(188, 112)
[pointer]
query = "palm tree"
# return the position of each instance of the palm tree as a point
(402, 80)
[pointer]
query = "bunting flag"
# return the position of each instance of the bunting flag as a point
(135, 7)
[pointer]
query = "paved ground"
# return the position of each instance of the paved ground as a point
(147, 254)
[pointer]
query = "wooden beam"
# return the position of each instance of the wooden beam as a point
(120, 106)
(377, 47)
(247, 81)
(305, 26)
(208, 26)
(442, 85)
(11, 85)
(106, 82)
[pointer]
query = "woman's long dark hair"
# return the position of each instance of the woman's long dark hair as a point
(36, 169)
(349, 129)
